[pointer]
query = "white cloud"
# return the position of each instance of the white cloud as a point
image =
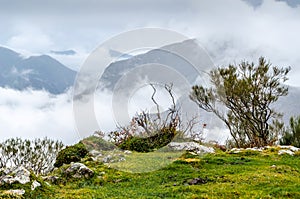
(31, 114)
(28, 38)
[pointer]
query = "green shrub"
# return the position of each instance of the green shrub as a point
(292, 137)
(148, 144)
(70, 154)
(97, 143)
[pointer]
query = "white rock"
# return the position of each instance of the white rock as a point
(107, 159)
(284, 151)
(35, 184)
(127, 152)
(20, 175)
(292, 148)
(191, 146)
(95, 153)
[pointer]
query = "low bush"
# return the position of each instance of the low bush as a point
(156, 141)
(70, 154)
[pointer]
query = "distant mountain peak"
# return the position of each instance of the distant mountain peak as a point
(40, 72)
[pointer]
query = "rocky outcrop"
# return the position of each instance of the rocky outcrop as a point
(191, 146)
(78, 170)
(19, 175)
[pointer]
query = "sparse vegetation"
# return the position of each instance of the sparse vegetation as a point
(147, 132)
(36, 155)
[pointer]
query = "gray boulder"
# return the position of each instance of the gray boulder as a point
(79, 170)
(20, 175)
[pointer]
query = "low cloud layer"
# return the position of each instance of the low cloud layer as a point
(31, 114)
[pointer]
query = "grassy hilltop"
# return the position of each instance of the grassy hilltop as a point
(248, 174)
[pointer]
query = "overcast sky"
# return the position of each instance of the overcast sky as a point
(230, 30)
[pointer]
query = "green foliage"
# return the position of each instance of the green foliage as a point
(148, 144)
(70, 154)
(35, 155)
(247, 91)
(292, 137)
(97, 143)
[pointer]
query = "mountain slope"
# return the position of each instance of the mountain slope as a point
(36, 72)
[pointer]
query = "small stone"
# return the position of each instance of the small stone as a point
(122, 159)
(35, 184)
(52, 179)
(283, 151)
(196, 181)
(102, 173)
(127, 152)
(273, 166)
(107, 159)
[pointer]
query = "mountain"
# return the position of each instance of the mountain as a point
(36, 72)
(180, 57)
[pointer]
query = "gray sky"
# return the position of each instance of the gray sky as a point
(230, 30)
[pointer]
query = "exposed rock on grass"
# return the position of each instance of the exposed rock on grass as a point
(19, 175)
(191, 146)
(79, 170)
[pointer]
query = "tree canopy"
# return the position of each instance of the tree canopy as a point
(247, 91)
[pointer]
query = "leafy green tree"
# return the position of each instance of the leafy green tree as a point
(292, 136)
(246, 92)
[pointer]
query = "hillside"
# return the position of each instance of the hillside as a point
(248, 174)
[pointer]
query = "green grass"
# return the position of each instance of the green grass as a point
(227, 176)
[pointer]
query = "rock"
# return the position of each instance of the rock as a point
(102, 173)
(291, 148)
(20, 175)
(191, 146)
(107, 159)
(127, 152)
(79, 170)
(196, 181)
(273, 166)
(18, 192)
(35, 184)
(95, 153)
(283, 151)
(52, 179)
